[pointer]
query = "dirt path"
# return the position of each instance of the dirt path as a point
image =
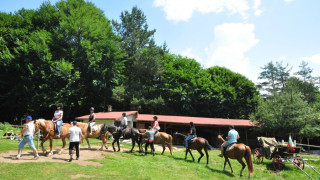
(85, 155)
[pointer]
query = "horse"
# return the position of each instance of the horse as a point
(198, 144)
(128, 133)
(238, 151)
(47, 128)
(95, 134)
(161, 138)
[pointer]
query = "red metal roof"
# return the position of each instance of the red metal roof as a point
(115, 115)
(196, 120)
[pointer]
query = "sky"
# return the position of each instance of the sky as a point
(241, 35)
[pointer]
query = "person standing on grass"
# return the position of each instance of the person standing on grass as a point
(150, 135)
(74, 133)
(27, 133)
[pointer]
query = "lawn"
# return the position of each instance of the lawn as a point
(124, 165)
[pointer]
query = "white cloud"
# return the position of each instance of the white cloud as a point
(256, 5)
(231, 42)
(182, 10)
(313, 59)
(189, 54)
(288, 1)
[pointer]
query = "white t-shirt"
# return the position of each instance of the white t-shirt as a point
(57, 114)
(124, 121)
(29, 131)
(74, 132)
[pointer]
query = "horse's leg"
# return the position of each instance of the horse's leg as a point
(206, 151)
(63, 145)
(138, 142)
(225, 162)
(191, 155)
(199, 150)
(87, 139)
(163, 147)
(50, 152)
(114, 149)
(133, 144)
(118, 145)
(243, 165)
(230, 165)
(42, 147)
(186, 153)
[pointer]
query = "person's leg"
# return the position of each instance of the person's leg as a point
(222, 148)
(152, 148)
(20, 147)
(71, 145)
(186, 140)
(77, 149)
(31, 145)
(59, 123)
(146, 148)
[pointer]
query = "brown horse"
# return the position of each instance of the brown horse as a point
(198, 144)
(161, 138)
(95, 134)
(238, 151)
(47, 128)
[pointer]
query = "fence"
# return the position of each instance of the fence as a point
(19, 135)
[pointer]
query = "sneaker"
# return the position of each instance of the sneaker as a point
(16, 158)
(145, 154)
(36, 157)
(70, 159)
(77, 158)
(154, 154)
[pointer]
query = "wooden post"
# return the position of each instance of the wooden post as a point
(246, 136)
(38, 139)
(219, 131)
(165, 127)
(308, 145)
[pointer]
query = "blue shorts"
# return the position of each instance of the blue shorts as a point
(27, 139)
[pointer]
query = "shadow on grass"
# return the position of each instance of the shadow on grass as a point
(220, 171)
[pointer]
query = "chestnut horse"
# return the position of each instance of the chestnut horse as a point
(238, 151)
(198, 144)
(161, 138)
(95, 134)
(47, 128)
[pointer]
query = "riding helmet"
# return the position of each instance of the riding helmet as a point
(155, 117)
(60, 105)
(191, 123)
(91, 109)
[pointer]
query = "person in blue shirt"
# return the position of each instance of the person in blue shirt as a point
(232, 138)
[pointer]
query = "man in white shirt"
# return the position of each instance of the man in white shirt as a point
(74, 133)
(27, 133)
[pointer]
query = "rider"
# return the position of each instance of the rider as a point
(57, 117)
(232, 138)
(155, 126)
(124, 122)
(192, 134)
(92, 119)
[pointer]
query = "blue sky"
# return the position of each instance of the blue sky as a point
(242, 35)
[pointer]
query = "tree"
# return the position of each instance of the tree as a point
(274, 76)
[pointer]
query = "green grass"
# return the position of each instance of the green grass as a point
(125, 165)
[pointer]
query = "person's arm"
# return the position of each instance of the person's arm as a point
(24, 129)
(60, 116)
(142, 134)
(81, 135)
(238, 137)
(94, 117)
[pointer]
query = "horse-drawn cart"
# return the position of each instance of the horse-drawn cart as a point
(279, 153)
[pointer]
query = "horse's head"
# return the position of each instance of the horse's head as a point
(39, 124)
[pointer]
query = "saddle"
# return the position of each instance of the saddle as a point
(229, 147)
(191, 140)
(94, 127)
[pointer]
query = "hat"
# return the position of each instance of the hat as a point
(28, 118)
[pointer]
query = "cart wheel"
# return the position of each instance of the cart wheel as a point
(257, 156)
(277, 162)
(299, 163)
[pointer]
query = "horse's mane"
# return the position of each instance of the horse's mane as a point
(180, 135)
(41, 121)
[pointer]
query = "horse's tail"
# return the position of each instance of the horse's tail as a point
(170, 145)
(249, 160)
(208, 146)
